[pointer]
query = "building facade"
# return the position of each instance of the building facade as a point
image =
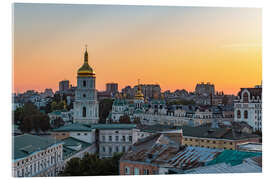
(112, 88)
(205, 89)
(86, 103)
(248, 107)
(36, 156)
(114, 138)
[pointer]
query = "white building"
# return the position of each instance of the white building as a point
(36, 156)
(115, 138)
(248, 107)
(86, 104)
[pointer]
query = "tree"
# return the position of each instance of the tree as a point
(137, 120)
(73, 168)
(105, 106)
(61, 105)
(58, 122)
(18, 115)
(32, 119)
(125, 119)
(91, 165)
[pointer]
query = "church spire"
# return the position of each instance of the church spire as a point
(86, 54)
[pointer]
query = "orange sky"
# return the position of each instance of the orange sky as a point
(175, 47)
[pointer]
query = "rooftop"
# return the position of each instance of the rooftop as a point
(249, 165)
(113, 126)
(26, 144)
(73, 127)
(70, 144)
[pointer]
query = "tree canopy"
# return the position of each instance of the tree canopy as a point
(91, 165)
(30, 118)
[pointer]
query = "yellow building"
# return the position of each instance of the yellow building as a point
(221, 138)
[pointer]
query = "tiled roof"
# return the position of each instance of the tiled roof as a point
(113, 126)
(73, 127)
(26, 144)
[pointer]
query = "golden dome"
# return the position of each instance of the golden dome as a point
(85, 70)
(139, 95)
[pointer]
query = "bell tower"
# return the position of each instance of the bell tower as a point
(86, 104)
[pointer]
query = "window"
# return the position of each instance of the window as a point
(110, 149)
(124, 138)
(245, 114)
(214, 142)
(130, 138)
(84, 95)
(84, 83)
(103, 149)
(136, 171)
(238, 114)
(78, 134)
(103, 138)
(85, 134)
(116, 138)
(146, 171)
(117, 149)
(84, 111)
(126, 170)
(123, 149)
(110, 138)
(245, 97)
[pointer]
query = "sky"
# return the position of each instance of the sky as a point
(175, 47)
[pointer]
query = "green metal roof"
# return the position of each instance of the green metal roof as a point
(70, 141)
(114, 126)
(26, 144)
(233, 157)
(73, 127)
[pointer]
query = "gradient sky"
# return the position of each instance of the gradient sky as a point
(175, 47)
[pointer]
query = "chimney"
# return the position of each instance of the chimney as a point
(181, 136)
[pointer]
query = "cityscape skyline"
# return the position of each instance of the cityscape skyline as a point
(193, 47)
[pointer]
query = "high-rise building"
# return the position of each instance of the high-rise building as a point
(86, 104)
(205, 89)
(63, 86)
(111, 88)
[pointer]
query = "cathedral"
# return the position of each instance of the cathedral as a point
(86, 103)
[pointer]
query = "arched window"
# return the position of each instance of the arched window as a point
(245, 114)
(84, 112)
(238, 114)
(245, 97)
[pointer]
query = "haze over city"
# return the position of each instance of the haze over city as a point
(176, 47)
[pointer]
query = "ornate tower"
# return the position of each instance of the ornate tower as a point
(86, 104)
(139, 97)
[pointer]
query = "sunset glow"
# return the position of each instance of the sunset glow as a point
(176, 47)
